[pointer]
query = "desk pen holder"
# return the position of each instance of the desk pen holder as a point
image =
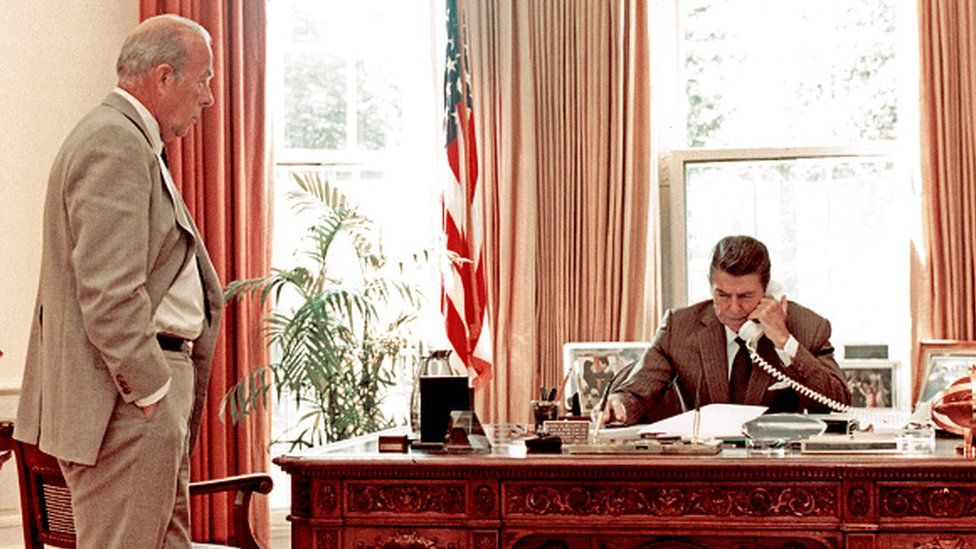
(542, 411)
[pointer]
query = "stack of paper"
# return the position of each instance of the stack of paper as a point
(717, 421)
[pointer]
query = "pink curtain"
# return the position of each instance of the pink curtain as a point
(562, 95)
(947, 35)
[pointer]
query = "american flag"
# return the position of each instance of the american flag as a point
(463, 294)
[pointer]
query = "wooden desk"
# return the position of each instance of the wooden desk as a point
(351, 496)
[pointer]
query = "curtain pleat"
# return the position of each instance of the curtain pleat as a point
(561, 91)
(221, 170)
(947, 36)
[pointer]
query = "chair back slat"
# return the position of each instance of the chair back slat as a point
(55, 503)
(44, 498)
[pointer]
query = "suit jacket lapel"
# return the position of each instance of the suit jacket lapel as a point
(182, 215)
(711, 348)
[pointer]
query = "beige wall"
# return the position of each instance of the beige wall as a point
(57, 61)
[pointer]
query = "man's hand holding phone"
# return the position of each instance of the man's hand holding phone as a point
(771, 313)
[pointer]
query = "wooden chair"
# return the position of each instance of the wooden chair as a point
(46, 503)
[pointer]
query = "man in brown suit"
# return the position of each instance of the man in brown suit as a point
(697, 346)
(128, 303)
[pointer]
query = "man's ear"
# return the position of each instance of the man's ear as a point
(162, 76)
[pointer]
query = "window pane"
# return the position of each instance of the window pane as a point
(378, 110)
(834, 227)
(350, 72)
(781, 72)
(315, 102)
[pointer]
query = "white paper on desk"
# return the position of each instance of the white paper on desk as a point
(717, 421)
(630, 432)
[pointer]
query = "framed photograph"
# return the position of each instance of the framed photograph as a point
(590, 365)
(872, 382)
(942, 362)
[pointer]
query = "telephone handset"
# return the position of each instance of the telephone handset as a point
(752, 330)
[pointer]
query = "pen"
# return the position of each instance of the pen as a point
(603, 404)
(559, 394)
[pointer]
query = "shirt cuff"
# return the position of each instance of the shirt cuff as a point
(788, 352)
(155, 397)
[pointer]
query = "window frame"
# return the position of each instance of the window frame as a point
(672, 188)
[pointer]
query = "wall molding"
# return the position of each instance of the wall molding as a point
(9, 387)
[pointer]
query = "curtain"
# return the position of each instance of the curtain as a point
(563, 99)
(221, 170)
(947, 36)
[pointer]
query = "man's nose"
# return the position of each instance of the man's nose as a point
(209, 99)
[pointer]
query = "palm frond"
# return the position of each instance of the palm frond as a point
(337, 341)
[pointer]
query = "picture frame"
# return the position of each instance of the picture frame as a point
(941, 362)
(873, 382)
(589, 367)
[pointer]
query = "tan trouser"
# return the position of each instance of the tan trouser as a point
(136, 495)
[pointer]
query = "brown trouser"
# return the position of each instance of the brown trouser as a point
(136, 494)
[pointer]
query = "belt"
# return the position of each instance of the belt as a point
(170, 343)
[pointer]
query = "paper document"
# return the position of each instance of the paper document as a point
(717, 421)
(630, 432)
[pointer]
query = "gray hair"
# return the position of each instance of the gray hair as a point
(156, 41)
(740, 256)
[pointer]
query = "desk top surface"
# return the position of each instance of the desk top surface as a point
(508, 451)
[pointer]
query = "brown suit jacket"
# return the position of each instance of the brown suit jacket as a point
(112, 249)
(690, 346)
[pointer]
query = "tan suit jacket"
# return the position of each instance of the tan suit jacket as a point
(691, 346)
(112, 249)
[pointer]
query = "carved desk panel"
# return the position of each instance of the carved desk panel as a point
(351, 496)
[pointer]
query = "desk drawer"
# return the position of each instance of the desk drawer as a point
(441, 538)
(925, 540)
(787, 503)
(447, 498)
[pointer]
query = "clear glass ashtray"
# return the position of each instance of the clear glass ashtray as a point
(917, 439)
(772, 434)
(767, 447)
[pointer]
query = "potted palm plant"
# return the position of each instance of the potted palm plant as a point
(336, 339)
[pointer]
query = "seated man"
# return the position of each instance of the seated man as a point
(698, 346)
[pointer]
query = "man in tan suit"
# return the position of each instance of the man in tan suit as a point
(128, 303)
(697, 346)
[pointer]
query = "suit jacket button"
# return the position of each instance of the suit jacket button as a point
(123, 384)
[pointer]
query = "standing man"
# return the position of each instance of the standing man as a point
(128, 304)
(699, 348)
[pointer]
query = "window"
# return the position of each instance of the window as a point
(792, 127)
(354, 91)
